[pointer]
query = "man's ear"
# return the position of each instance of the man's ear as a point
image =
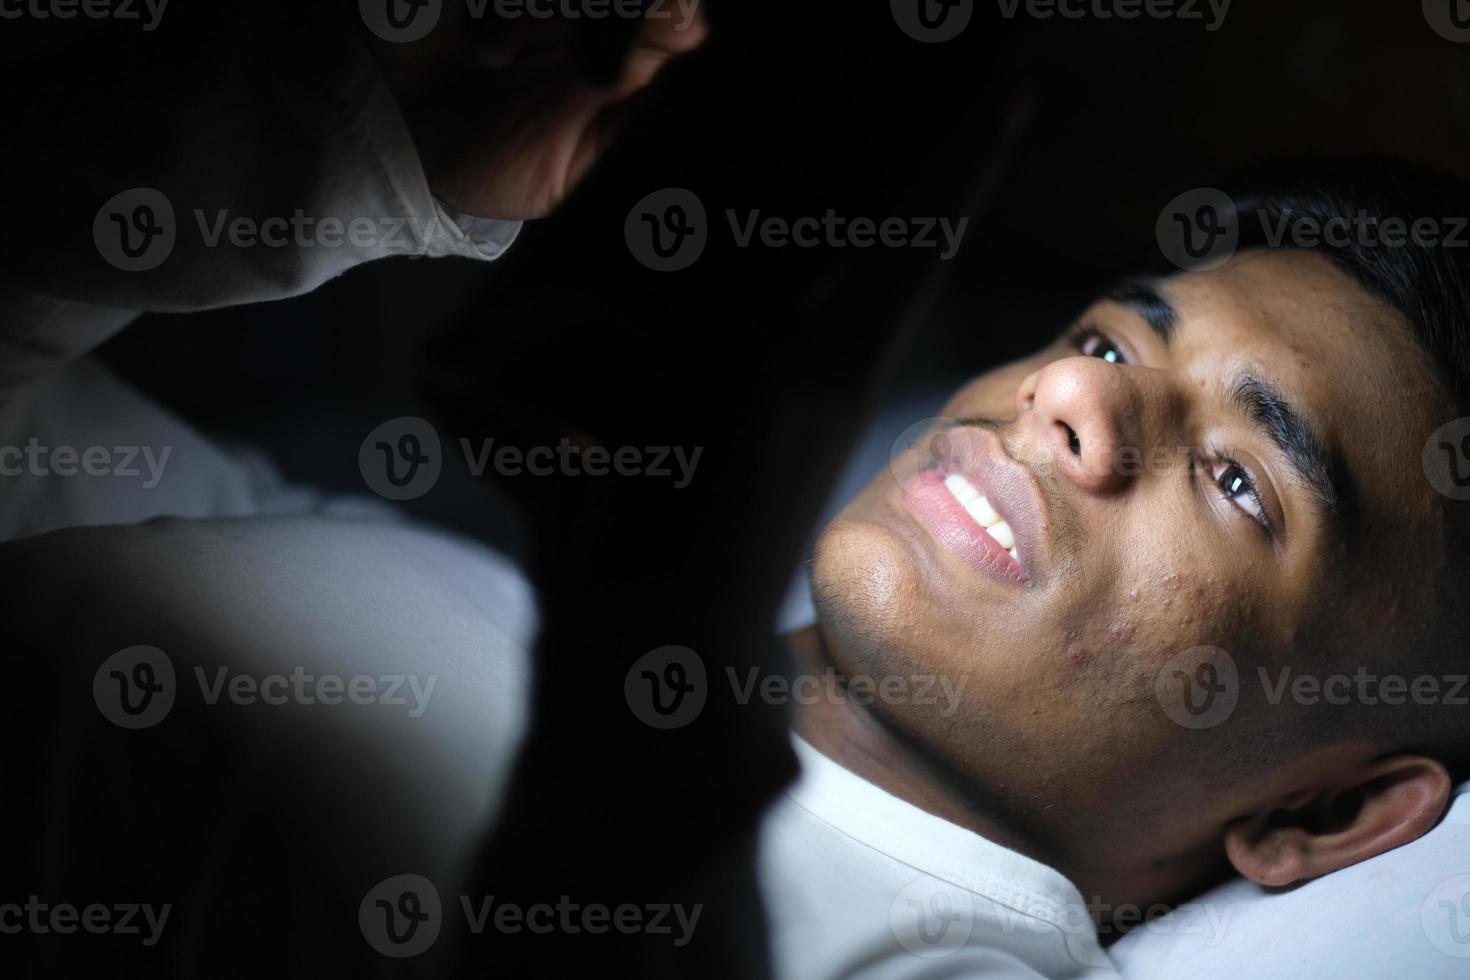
(1385, 803)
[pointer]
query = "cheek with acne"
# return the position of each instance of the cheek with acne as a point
(1170, 610)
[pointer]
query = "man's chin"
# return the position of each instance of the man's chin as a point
(885, 605)
(868, 591)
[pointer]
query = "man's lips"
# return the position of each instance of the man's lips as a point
(955, 529)
(1009, 504)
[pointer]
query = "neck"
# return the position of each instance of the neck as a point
(860, 742)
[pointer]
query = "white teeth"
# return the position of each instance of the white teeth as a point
(1001, 532)
(964, 491)
(1012, 553)
(979, 508)
(974, 501)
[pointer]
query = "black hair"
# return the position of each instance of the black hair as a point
(1378, 201)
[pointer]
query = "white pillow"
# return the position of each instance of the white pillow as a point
(1401, 914)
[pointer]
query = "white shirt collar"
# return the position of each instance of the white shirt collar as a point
(878, 819)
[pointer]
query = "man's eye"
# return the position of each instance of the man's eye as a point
(1091, 342)
(1237, 486)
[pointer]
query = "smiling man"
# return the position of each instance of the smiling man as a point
(1209, 477)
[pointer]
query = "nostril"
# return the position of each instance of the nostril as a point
(1073, 443)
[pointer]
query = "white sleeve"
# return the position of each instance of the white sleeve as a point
(253, 792)
(219, 160)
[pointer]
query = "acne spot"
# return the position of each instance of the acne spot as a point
(1075, 653)
(1168, 586)
(1133, 594)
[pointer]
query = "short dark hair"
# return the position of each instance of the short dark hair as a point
(1428, 283)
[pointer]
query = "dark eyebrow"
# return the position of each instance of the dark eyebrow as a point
(1262, 402)
(1269, 411)
(1143, 297)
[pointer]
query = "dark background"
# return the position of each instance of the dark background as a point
(1118, 117)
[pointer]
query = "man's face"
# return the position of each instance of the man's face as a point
(1227, 459)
